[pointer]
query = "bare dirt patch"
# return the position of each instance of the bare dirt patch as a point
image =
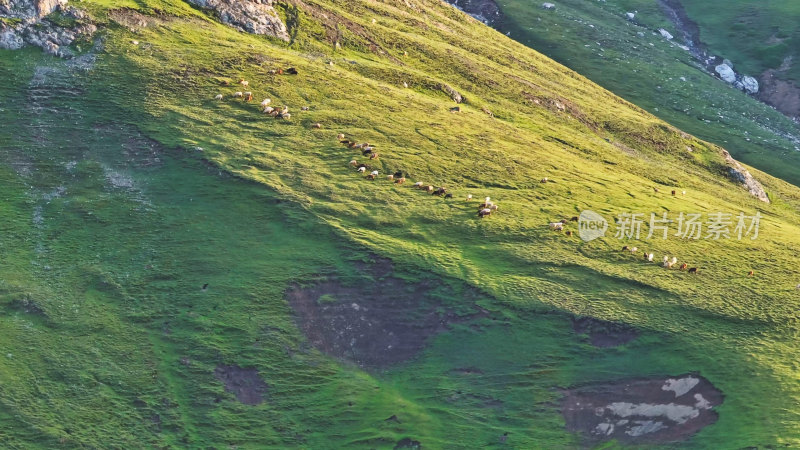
(602, 333)
(248, 387)
(642, 411)
(377, 323)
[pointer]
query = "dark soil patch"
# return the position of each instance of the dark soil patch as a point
(602, 333)
(407, 443)
(376, 323)
(244, 383)
(642, 411)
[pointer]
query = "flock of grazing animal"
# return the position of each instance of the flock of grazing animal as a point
(485, 209)
(247, 96)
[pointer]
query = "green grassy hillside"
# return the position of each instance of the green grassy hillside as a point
(154, 237)
(632, 60)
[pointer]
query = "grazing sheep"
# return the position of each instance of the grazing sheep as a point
(673, 261)
(268, 110)
(317, 125)
(633, 249)
(344, 142)
(469, 197)
(286, 116)
(362, 169)
(248, 96)
(448, 195)
(429, 189)
(304, 108)
(544, 180)
(484, 212)
(398, 174)
(390, 177)
(625, 248)
(693, 270)
(373, 156)
(243, 82)
(440, 191)
(285, 109)
(674, 192)
(265, 103)
(493, 207)
(418, 184)
(340, 136)
(400, 180)
(669, 263)
(353, 163)
(751, 273)
(238, 94)
(291, 71)
(649, 257)
(370, 177)
(683, 192)
(684, 266)
(218, 97)
(656, 190)
(375, 172)
(564, 221)
(557, 226)
(574, 219)
(569, 233)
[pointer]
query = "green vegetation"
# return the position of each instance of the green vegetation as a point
(596, 40)
(113, 220)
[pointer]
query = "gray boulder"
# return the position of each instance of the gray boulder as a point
(726, 73)
(739, 174)
(750, 85)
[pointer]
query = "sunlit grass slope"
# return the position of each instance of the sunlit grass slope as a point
(113, 219)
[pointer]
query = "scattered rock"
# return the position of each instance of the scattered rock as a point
(548, 6)
(485, 11)
(33, 28)
(666, 34)
(741, 175)
(642, 411)
(252, 16)
(630, 15)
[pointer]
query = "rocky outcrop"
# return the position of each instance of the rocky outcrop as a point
(29, 25)
(252, 16)
(738, 173)
(484, 10)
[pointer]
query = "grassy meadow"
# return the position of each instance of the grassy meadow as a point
(126, 188)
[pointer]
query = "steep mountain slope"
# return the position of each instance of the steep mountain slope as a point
(664, 76)
(180, 271)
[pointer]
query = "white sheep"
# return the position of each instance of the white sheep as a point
(266, 103)
(244, 83)
(268, 110)
(633, 249)
(649, 256)
(362, 169)
(557, 226)
(238, 94)
(374, 173)
(469, 197)
(390, 177)
(418, 184)
(353, 163)
(286, 116)
(218, 97)
(340, 136)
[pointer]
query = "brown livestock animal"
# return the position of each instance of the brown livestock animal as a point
(684, 266)
(751, 273)
(400, 180)
(373, 156)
